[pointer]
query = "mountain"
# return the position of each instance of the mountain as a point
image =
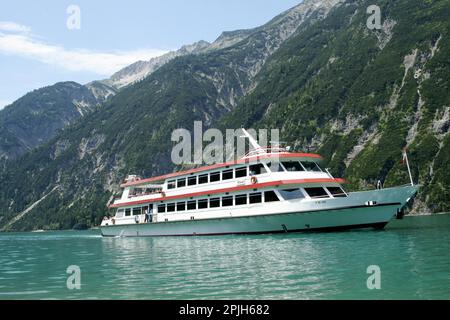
(14, 143)
(141, 69)
(36, 117)
(359, 96)
(355, 95)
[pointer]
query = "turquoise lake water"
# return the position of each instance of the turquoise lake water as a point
(413, 256)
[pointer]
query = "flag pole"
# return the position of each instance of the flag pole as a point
(405, 157)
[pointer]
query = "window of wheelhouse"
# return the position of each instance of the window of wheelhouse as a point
(192, 181)
(171, 184)
(240, 172)
(202, 179)
(337, 192)
(275, 167)
(181, 183)
(311, 166)
(270, 196)
(257, 169)
(227, 174)
(214, 176)
(290, 194)
(317, 192)
(161, 208)
(137, 211)
(127, 212)
(293, 166)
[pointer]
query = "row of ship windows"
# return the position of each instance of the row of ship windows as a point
(242, 172)
(238, 200)
(226, 201)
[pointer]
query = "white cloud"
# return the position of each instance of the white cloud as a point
(17, 40)
(13, 27)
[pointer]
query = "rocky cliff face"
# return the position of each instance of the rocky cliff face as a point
(316, 72)
(35, 118)
(141, 69)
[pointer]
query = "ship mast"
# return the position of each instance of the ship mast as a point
(257, 148)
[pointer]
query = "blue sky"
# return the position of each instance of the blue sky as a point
(38, 49)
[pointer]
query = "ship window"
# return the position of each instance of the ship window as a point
(255, 197)
(241, 199)
(203, 179)
(192, 205)
(171, 184)
(120, 213)
(203, 204)
(311, 166)
(290, 194)
(181, 206)
(161, 208)
(275, 167)
(270, 196)
(257, 169)
(192, 181)
(241, 172)
(317, 192)
(293, 166)
(227, 174)
(337, 192)
(227, 201)
(136, 211)
(214, 203)
(181, 183)
(171, 207)
(127, 212)
(214, 176)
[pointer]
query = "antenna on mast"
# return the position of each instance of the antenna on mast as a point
(405, 159)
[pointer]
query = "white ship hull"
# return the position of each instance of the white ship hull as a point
(359, 210)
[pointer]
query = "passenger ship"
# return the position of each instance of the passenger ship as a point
(270, 190)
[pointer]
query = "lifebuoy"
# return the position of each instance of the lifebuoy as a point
(254, 180)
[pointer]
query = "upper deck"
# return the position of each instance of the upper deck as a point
(285, 156)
